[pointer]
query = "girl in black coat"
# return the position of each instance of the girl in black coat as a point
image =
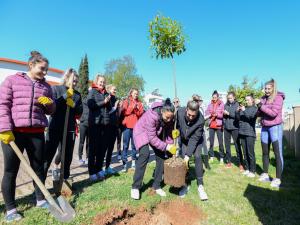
(231, 130)
(64, 96)
(247, 118)
(99, 103)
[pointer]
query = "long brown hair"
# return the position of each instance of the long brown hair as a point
(273, 83)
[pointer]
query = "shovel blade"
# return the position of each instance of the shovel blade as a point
(66, 214)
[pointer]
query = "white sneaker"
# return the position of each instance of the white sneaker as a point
(133, 164)
(221, 161)
(124, 170)
(251, 175)
(183, 191)
(93, 177)
(275, 183)
(55, 174)
(161, 192)
(211, 159)
(135, 194)
(264, 177)
(246, 172)
(202, 193)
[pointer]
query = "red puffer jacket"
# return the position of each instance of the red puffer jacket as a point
(132, 111)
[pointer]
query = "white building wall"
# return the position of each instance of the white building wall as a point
(7, 69)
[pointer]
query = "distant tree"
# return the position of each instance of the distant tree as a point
(83, 83)
(122, 73)
(167, 39)
(248, 86)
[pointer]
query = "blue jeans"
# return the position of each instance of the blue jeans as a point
(127, 135)
(272, 135)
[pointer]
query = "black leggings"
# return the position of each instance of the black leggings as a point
(249, 153)
(141, 164)
(53, 141)
(198, 162)
(98, 140)
(113, 131)
(212, 140)
(84, 135)
(34, 145)
(227, 140)
(119, 139)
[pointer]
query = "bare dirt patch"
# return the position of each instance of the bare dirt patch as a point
(178, 212)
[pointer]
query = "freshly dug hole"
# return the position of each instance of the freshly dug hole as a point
(176, 212)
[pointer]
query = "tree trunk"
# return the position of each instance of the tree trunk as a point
(174, 77)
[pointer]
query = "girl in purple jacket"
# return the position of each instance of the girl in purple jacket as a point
(153, 129)
(214, 113)
(270, 111)
(25, 99)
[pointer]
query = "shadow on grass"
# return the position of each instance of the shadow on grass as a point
(279, 206)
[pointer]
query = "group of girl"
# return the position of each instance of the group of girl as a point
(26, 100)
(238, 122)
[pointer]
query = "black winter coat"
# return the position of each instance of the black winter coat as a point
(190, 132)
(247, 120)
(98, 110)
(57, 119)
(230, 121)
(84, 119)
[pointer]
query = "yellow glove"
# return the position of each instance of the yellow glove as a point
(45, 100)
(175, 133)
(70, 102)
(6, 137)
(186, 161)
(172, 149)
(70, 92)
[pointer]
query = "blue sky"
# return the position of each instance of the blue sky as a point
(227, 40)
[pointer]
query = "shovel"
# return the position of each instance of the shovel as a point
(61, 185)
(60, 209)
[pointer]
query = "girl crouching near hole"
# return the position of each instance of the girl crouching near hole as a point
(153, 129)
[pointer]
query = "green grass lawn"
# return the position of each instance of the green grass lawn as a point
(233, 199)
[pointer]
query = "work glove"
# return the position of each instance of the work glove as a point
(172, 149)
(6, 137)
(70, 92)
(45, 100)
(70, 102)
(186, 161)
(175, 133)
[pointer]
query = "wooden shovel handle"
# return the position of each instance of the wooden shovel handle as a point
(64, 141)
(33, 175)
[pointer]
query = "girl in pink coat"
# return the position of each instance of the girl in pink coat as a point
(214, 113)
(25, 99)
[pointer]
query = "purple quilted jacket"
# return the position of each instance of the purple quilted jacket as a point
(148, 128)
(271, 112)
(19, 105)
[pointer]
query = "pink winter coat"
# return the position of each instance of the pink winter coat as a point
(218, 109)
(271, 112)
(19, 105)
(148, 128)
